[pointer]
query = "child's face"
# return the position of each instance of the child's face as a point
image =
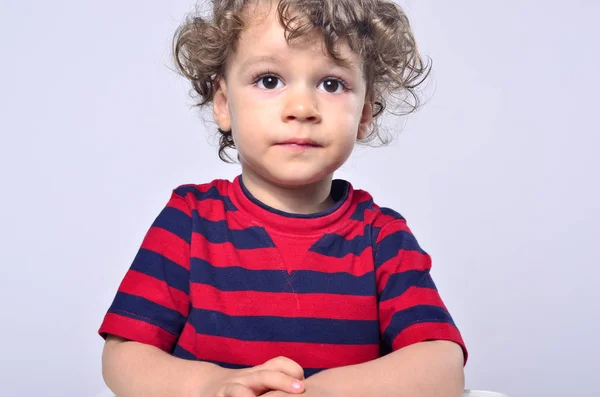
(294, 113)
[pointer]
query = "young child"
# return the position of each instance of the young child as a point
(285, 281)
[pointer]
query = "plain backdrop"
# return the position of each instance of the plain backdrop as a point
(498, 176)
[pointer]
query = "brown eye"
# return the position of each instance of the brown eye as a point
(332, 86)
(268, 82)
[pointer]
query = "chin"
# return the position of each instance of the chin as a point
(290, 174)
(296, 179)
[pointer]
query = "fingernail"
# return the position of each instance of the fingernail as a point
(297, 386)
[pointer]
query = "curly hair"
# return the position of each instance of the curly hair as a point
(377, 30)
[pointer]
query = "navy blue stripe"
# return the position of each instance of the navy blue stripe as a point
(414, 315)
(161, 268)
(306, 281)
(142, 309)
(375, 232)
(308, 372)
(176, 222)
(302, 281)
(337, 246)
(218, 232)
(384, 349)
(180, 352)
(390, 212)
(359, 212)
(391, 244)
(283, 329)
(212, 193)
(398, 283)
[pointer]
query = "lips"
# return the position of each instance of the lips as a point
(300, 142)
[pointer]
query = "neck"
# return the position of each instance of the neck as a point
(305, 199)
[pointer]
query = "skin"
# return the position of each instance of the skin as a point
(300, 93)
(426, 369)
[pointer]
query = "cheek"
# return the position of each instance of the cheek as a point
(348, 112)
(348, 146)
(246, 112)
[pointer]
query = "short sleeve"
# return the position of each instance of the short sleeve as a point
(152, 302)
(410, 307)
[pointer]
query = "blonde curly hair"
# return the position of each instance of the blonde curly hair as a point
(377, 30)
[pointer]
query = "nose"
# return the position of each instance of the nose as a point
(301, 105)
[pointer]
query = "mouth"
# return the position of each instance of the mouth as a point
(298, 143)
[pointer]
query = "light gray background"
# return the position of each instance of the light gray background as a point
(497, 176)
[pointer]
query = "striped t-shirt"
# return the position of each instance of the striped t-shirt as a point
(223, 278)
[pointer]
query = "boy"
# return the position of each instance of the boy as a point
(286, 281)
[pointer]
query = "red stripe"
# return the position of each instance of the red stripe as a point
(211, 209)
(412, 297)
(169, 245)
(422, 332)
(381, 220)
(179, 203)
(351, 264)
(222, 185)
(404, 261)
(397, 225)
(356, 229)
(296, 250)
(251, 303)
(251, 353)
(137, 330)
(155, 290)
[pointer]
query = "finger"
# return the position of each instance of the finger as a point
(236, 390)
(265, 380)
(285, 365)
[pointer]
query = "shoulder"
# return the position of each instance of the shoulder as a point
(217, 187)
(389, 229)
(369, 211)
(212, 193)
(382, 221)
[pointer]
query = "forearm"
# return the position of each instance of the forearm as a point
(428, 369)
(132, 369)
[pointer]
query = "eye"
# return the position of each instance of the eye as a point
(333, 85)
(268, 82)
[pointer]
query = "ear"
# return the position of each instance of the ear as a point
(366, 118)
(220, 105)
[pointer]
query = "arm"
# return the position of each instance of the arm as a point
(133, 369)
(426, 369)
(150, 309)
(427, 351)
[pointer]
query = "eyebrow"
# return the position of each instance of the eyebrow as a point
(260, 59)
(344, 64)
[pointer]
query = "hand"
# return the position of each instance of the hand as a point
(313, 388)
(278, 374)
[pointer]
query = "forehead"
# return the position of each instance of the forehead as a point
(264, 36)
